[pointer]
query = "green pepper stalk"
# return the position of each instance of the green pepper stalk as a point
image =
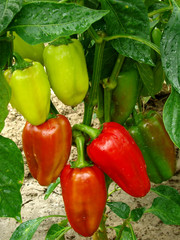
(80, 144)
(97, 65)
(109, 85)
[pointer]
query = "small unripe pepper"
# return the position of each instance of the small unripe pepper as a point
(30, 91)
(123, 101)
(47, 148)
(67, 71)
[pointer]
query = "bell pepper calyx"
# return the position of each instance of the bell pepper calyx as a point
(20, 63)
(61, 41)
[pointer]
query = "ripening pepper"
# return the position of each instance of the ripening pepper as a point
(67, 71)
(47, 148)
(25, 50)
(84, 194)
(156, 146)
(116, 153)
(124, 96)
(30, 92)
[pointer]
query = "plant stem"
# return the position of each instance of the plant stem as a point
(92, 132)
(107, 104)
(136, 38)
(91, 99)
(100, 110)
(122, 228)
(161, 10)
(109, 86)
(80, 144)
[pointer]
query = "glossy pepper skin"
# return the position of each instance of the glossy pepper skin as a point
(30, 92)
(124, 96)
(117, 154)
(156, 146)
(84, 194)
(67, 71)
(25, 50)
(47, 148)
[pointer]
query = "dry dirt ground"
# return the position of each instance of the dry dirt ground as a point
(149, 227)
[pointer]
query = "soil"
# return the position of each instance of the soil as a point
(149, 227)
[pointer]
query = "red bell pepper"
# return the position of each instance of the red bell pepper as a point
(47, 148)
(117, 154)
(84, 194)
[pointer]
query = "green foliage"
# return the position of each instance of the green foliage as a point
(170, 45)
(121, 209)
(128, 17)
(167, 205)
(56, 20)
(8, 9)
(171, 116)
(11, 179)
(57, 231)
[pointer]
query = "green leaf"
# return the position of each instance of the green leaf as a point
(51, 188)
(147, 77)
(121, 209)
(8, 9)
(127, 233)
(4, 99)
(171, 116)
(11, 179)
(167, 206)
(167, 192)
(170, 49)
(56, 20)
(128, 17)
(137, 213)
(57, 231)
(26, 230)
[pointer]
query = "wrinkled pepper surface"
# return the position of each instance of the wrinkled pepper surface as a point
(84, 194)
(67, 71)
(25, 50)
(47, 148)
(124, 96)
(117, 154)
(30, 92)
(156, 146)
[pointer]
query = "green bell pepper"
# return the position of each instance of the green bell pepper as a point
(156, 146)
(125, 95)
(30, 92)
(67, 71)
(25, 50)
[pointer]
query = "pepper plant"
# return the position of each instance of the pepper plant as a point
(114, 56)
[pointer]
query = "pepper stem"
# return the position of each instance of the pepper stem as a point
(20, 63)
(92, 132)
(92, 96)
(80, 144)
